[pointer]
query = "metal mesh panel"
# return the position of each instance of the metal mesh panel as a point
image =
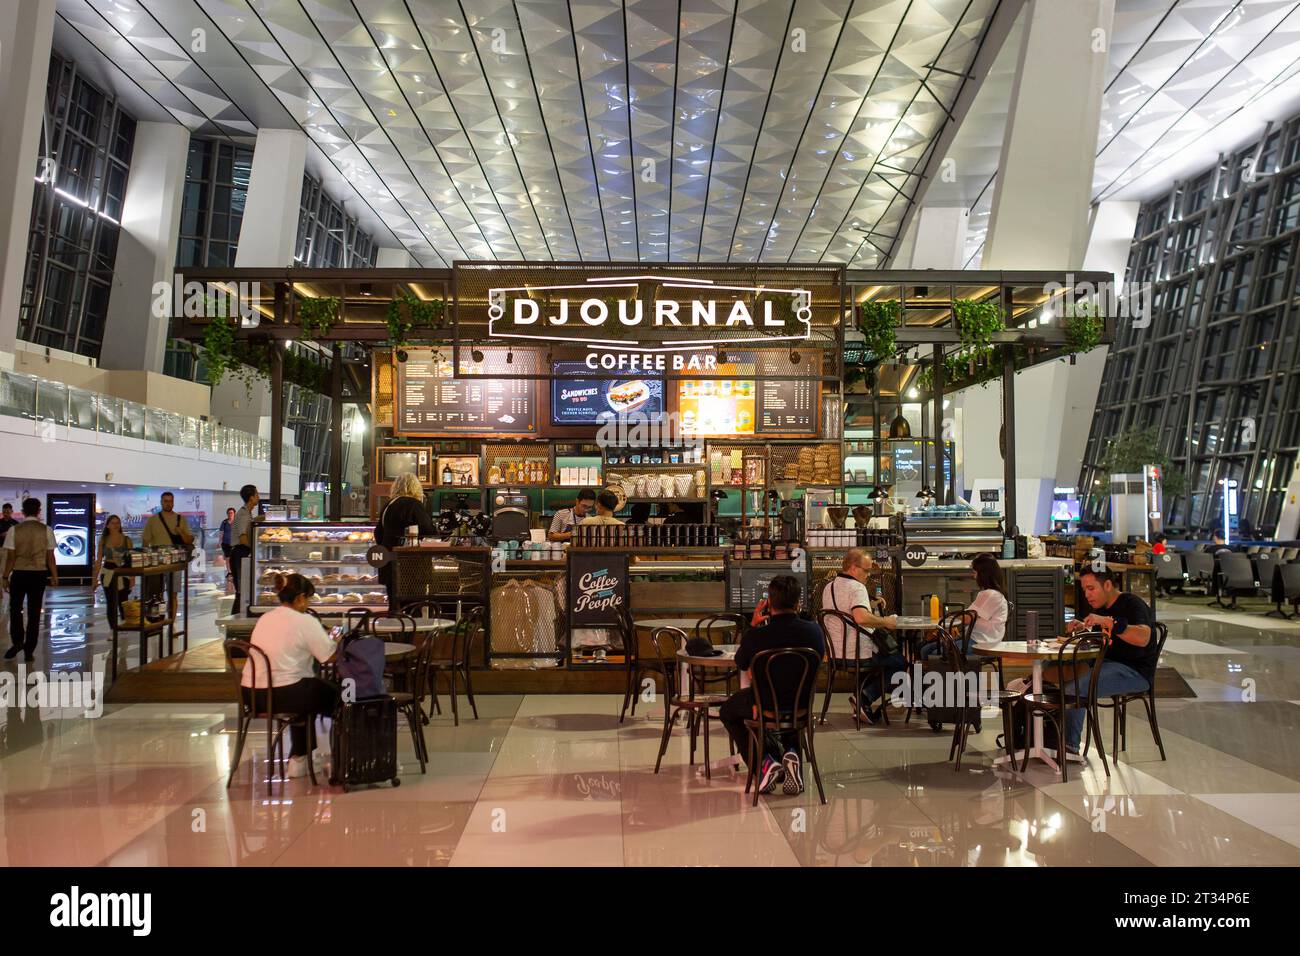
(385, 389)
(433, 576)
(814, 463)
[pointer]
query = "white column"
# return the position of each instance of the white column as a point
(270, 227)
(26, 35)
(134, 338)
(1040, 220)
(940, 238)
(394, 259)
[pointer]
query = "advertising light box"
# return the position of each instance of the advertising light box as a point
(587, 401)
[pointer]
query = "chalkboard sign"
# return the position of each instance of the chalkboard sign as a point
(989, 494)
(786, 407)
(598, 588)
(430, 401)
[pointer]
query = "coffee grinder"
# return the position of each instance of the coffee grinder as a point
(789, 511)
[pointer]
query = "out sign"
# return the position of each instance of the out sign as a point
(915, 555)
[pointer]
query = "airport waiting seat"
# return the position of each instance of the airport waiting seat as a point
(1200, 570)
(1290, 554)
(1236, 578)
(1286, 590)
(1170, 573)
(1265, 565)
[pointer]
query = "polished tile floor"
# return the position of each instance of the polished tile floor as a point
(556, 780)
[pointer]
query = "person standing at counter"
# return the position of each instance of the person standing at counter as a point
(241, 536)
(606, 504)
(564, 520)
(28, 559)
(166, 529)
(404, 509)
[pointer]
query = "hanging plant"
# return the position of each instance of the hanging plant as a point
(1083, 327)
(407, 312)
(316, 316)
(877, 320)
(305, 373)
(977, 321)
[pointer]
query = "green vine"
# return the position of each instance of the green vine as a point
(316, 316)
(407, 312)
(1083, 327)
(877, 320)
(977, 321)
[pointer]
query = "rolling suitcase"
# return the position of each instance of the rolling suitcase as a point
(363, 743)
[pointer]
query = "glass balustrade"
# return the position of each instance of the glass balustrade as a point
(38, 399)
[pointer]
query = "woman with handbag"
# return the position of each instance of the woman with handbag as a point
(113, 548)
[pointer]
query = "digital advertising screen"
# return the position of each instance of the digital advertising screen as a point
(587, 401)
(72, 519)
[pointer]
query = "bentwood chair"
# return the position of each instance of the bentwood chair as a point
(850, 660)
(1119, 703)
(793, 666)
(1072, 661)
(725, 628)
(955, 662)
(255, 661)
(454, 650)
(410, 702)
(639, 660)
(699, 708)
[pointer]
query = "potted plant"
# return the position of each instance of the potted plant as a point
(877, 320)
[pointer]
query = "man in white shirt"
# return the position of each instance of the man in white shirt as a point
(847, 593)
(292, 640)
(28, 565)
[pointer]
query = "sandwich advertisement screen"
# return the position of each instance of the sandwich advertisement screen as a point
(585, 401)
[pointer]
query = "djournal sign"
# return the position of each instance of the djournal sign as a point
(618, 313)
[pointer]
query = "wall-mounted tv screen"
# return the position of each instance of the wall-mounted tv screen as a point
(586, 401)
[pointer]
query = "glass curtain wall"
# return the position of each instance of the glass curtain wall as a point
(1216, 372)
(86, 145)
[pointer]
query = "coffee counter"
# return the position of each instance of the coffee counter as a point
(1032, 584)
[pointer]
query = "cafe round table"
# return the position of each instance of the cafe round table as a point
(687, 624)
(423, 625)
(1035, 652)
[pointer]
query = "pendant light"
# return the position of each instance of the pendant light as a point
(899, 428)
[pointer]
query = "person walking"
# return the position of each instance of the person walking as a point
(29, 566)
(113, 549)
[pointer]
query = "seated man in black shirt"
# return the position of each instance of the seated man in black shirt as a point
(1130, 664)
(776, 624)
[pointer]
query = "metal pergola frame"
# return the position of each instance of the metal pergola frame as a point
(1025, 342)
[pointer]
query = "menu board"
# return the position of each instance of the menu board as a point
(430, 401)
(716, 406)
(787, 406)
(584, 401)
(747, 582)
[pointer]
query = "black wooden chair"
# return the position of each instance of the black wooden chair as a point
(410, 702)
(797, 666)
(727, 627)
(850, 659)
(454, 650)
(1119, 703)
(1055, 703)
(956, 662)
(700, 708)
(255, 658)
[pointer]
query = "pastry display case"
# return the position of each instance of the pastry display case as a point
(332, 556)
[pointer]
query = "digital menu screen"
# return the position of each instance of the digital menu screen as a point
(431, 401)
(585, 401)
(710, 406)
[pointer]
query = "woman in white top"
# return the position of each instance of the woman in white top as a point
(293, 641)
(990, 607)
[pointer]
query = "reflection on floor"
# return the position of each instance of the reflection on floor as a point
(556, 780)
